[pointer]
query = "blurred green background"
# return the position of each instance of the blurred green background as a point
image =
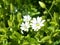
(11, 15)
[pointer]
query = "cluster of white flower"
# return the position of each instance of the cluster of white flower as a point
(34, 23)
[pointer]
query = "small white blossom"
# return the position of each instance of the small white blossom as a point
(37, 23)
(25, 26)
(27, 18)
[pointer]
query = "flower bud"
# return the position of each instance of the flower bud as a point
(42, 4)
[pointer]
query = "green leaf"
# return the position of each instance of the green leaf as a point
(44, 39)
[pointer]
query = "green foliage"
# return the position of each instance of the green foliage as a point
(11, 17)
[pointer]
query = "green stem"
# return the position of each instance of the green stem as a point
(49, 13)
(51, 8)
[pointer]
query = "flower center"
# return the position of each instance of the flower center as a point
(37, 24)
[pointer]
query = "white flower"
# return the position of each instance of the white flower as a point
(37, 23)
(27, 18)
(25, 26)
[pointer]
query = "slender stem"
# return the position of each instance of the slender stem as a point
(50, 8)
(49, 13)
